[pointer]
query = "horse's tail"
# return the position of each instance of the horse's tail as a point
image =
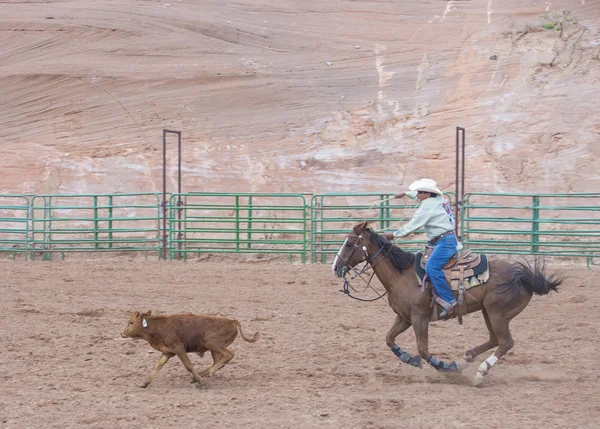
(255, 337)
(524, 278)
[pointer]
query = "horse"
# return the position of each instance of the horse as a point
(507, 292)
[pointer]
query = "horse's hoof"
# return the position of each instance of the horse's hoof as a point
(416, 361)
(478, 379)
(143, 385)
(202, 386)
(462, 364)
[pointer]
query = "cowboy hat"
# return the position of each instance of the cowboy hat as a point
(426, 185)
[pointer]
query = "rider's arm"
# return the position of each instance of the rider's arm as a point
(419, 220)
(410, 194)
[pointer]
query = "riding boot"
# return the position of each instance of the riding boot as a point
(447, 308)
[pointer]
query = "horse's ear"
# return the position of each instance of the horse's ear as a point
(361, 227)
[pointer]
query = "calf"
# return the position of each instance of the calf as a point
(180, 334)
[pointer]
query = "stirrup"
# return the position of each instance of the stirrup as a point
(447, 309)
(444, 312)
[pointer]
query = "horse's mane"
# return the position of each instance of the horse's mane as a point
(400, 259)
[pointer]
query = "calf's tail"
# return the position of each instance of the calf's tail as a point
(250, 340)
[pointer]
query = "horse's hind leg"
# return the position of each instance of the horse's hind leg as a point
(489, 344)
(505, 342)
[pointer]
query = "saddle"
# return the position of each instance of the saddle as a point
(463, 271)
(466, 268)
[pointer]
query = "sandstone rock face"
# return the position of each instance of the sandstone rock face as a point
(293, 97)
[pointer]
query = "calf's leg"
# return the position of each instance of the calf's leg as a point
(183, 357)
(225, 356)
(216, 358)
(162, 360)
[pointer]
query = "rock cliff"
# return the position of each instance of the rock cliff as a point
(295, 96)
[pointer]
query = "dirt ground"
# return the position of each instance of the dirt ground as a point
(321, 362)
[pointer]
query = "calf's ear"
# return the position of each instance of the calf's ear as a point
(137, 314)
(149, 313)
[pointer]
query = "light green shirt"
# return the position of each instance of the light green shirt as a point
(431, 215)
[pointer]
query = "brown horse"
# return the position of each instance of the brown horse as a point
(506, 293)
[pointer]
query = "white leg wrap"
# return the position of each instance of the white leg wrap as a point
(484, 368)
(487, 364)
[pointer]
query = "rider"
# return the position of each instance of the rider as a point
(438, 225)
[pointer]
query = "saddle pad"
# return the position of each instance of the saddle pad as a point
(472, 277)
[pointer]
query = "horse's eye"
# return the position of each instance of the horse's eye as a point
(348, 244)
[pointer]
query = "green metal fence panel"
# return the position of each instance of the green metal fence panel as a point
(333, 215)
(94, 223)
(533, 224)
(238, 223)
(14, 224)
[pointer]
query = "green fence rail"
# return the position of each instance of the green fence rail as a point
(238, 223)
(533, 224)
(14, 224)
(94, 223)
(305, 226)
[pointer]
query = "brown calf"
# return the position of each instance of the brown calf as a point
(180, 334)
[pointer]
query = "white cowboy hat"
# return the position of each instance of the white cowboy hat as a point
(426, 185)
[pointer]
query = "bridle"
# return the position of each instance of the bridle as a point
(359, 272)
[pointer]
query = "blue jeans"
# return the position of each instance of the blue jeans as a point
(443, 250)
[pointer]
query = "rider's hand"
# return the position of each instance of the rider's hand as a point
(389, 235)
(400, 195)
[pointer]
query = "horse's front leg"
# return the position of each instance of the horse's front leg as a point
(421, 328)
(400, 325)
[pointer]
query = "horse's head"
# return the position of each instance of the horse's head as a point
(352, 252)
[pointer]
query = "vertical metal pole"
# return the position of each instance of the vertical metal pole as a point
(460, 185)
(387, 214)
(179, 234)
(304, 214)
(164, 202)
(535, 227)
(95, 222)
(237, 223)
(457, 188)
(179, 164)
(322, 224)
(249, 222)
(110, 222)
(47, 256)
(381, 212)
(185, 225)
